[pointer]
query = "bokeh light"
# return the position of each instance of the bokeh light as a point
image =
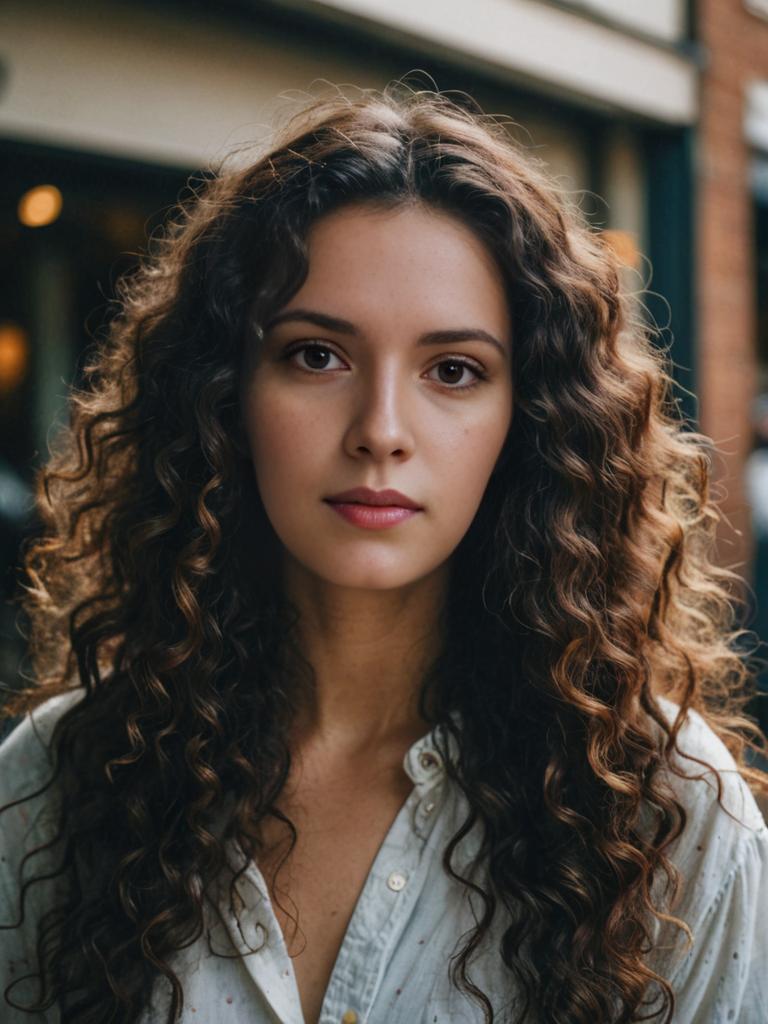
(624, 245)
(39, 206)
(14, 356)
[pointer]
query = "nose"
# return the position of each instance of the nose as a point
(379, 423)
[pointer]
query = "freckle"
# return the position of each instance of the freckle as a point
(229, 999)
(421, 942)
(699, 847)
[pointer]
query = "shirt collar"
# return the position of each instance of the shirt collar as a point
(423, 761)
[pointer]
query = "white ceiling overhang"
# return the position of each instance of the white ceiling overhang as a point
(537, 43)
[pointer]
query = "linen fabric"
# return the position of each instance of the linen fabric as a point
(393, 966)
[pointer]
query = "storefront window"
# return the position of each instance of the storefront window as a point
(70, 225)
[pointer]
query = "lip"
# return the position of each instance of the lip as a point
(373, 510)
(365, 496)
(372, 517)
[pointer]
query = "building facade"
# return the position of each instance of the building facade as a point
(119, 103)
(654, 112)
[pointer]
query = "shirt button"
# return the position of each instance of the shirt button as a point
(429, 807)
(396, 882)
(429, 760)
(349, 1017)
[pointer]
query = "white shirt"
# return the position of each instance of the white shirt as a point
(392, 967)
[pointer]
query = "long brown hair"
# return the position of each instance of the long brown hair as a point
(584, 589)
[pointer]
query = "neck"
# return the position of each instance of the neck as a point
(369, 651)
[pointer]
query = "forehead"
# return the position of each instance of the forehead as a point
(409, 261)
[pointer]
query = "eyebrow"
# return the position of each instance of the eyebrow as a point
(332, 323)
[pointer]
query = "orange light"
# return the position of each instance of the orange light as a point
(14, 356)
(624, 245)
(39, 206)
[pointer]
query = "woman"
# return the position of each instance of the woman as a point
(373, 617)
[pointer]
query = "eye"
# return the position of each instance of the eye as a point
(455, 371)
(317, 357)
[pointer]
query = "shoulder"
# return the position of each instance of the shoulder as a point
(701, 768)
(25, 754)
(27, 828)
(722, 856)
(28, 799)
(723, 838)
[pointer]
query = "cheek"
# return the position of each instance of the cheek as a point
(468, 454)
(284, 435)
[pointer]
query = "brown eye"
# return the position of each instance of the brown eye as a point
(315, 358)
(451, 373)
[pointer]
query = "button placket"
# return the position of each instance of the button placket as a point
(425, 767)
(430, 761)
(252, 918)
(397, 881)
(376, 923)
(425, 815)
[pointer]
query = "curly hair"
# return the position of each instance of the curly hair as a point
(584, 590)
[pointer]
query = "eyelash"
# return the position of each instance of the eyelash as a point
(480, 374)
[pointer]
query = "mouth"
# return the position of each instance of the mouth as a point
(371, 517)
(364, 496)
(373, 510)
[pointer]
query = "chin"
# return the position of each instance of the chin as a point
(388, 574)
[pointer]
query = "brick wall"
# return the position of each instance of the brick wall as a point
(735, 43)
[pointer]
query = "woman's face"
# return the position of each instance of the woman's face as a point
(388, 369)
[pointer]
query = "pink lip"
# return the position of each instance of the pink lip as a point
(373, 510)
(365, 496)
(372, 517)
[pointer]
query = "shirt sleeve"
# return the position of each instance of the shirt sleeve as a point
(25, 767)
(724, 977)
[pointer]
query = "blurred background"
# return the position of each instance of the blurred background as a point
(653, 112)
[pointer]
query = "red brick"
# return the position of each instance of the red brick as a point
(737, 46)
